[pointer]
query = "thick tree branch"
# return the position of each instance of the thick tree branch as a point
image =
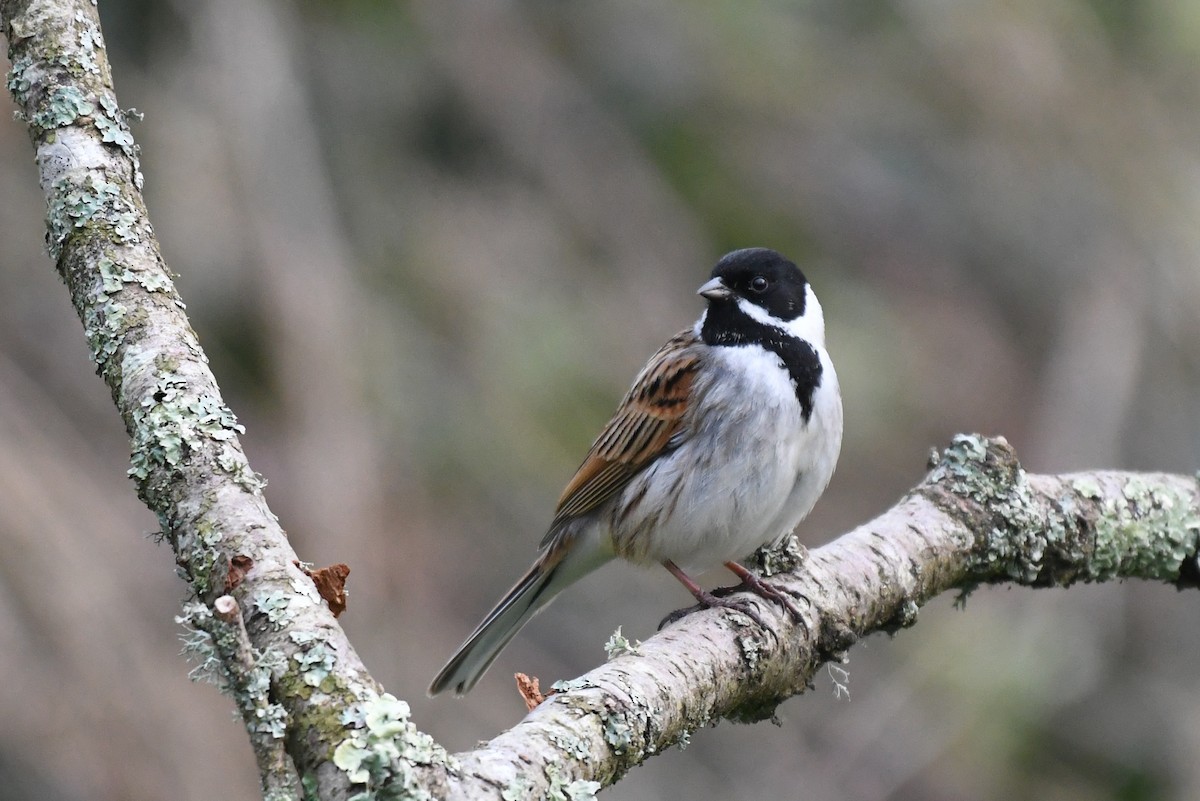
(261, 629)
(187, 461)
(978, 518)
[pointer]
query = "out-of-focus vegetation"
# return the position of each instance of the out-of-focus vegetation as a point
(427, 245)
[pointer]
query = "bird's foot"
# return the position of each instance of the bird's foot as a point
(716, 600)
(764, 589)
(719, 598)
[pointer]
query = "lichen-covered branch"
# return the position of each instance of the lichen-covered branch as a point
(259, 627)
(187, 462)
(247, 677)
(978, 518)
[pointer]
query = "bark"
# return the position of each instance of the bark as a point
(977, 518)
(318, 722)
(187, 461)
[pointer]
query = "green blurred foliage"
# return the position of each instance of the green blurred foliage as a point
(427, 244)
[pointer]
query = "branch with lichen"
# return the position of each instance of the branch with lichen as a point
(187, 461)
(319, 724)
(977, 518)
(220, 630)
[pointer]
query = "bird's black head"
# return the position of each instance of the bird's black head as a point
(761, 276)
(757, 298)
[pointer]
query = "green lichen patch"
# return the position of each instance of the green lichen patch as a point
(618, 733)
(93, 203)
(276, 605)
(173, 422)
(114, 277)
(105, 326)
(563, 789)
(270, 719)
(1087, 487)
(231, 460)
(630, 724)
(21, 78)
(110, 276)
(383, 750)
(751, 648)
(91, 44)
(61, 51)
(517, 789)
(980, 481)
(60, 107)
(571, 745)
(315, 658)
(567, 685)
(219, 652)
(31, 20)
(198, 645)
(209, 533)
(619, 645)
(112, 122)
(976, 468)
(170, 425)
(1148, 532)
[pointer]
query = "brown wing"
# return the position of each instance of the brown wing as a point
(640, 432)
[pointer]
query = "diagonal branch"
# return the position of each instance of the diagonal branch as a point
(187, 460)
(978, 518)
(259, 624)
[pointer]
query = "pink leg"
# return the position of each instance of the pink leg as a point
(768, 591)
(707, 599)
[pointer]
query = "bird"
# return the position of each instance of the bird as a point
(724, 443)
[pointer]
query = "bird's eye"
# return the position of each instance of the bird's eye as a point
(759, 284)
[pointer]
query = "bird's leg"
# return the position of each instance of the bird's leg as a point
(707, 600)
(761, 588)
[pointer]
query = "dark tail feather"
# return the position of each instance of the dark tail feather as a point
(555, 569)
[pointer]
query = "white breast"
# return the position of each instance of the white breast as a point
(749, 471)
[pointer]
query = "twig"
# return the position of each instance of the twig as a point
(248, 674)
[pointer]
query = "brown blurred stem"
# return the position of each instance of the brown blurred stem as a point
(977, 518)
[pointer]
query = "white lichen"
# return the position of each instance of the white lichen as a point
(382, 749)
(275, 604)
(619, 645)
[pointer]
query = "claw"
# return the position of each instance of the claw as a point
(719, 598)
(714, 600)
(759, 587)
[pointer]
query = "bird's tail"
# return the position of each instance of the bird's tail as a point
(562, 562)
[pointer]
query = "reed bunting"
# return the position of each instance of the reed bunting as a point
(724, 443)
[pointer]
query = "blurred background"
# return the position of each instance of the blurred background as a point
(428, 244)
